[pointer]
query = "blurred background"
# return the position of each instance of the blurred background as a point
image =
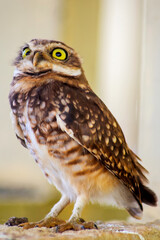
(119, 41)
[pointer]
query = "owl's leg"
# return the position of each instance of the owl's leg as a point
(58, 207)
(75, 222)
(78, 206)
(50, 220)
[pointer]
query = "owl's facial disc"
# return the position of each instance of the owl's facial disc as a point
(43, 56)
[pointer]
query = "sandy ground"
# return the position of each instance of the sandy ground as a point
(112, 230)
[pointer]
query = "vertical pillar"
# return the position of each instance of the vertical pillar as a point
(119, 62)
(149, 131)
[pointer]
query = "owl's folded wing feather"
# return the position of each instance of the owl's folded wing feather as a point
(84, 117)
(18, 130)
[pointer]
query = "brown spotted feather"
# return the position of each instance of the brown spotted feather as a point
(72, 135)
(93, 125)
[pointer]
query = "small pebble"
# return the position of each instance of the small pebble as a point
(15, 221)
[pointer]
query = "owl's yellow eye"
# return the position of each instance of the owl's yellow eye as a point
(59, 54)
(26, 51)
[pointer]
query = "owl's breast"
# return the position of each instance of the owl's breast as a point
(65, 163)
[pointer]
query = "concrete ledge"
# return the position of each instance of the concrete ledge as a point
(109, 231)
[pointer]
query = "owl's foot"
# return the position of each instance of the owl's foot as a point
(48, 223)
(76, 225)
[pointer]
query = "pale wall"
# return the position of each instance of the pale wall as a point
(128, 57)
(149, 121)
(129, 77)
(20, 21)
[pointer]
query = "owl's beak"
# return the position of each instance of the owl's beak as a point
(37, 58)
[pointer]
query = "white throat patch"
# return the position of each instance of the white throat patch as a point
(67, 70)
(16, 72)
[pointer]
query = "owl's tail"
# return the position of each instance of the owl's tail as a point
(148, 196)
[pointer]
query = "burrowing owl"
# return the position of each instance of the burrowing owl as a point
(71, 134)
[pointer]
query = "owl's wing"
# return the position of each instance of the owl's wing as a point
(17, 129)
(85, 118)
(22, 141)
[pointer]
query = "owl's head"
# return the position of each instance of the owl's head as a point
(39, 57)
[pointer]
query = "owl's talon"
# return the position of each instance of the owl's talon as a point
(48, 223)
(76, 226)
(82, 227)
(95, 225)
(27, 225)
(90, 225)
(81, 220)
